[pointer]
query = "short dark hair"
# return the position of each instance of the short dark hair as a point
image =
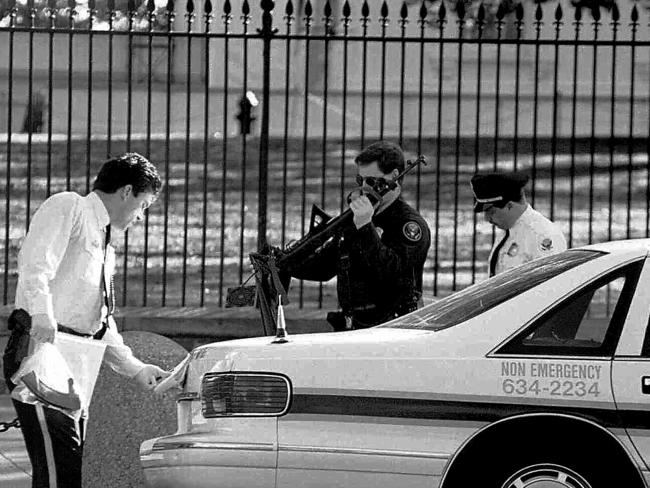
(389, 156)
(128, 169)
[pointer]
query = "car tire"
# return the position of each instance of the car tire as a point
(558, 467)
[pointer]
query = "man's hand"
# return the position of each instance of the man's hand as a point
(43, 328)
(150, 375)
(362, 210)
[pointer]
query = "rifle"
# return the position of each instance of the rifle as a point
(270, 262)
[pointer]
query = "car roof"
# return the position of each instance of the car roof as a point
(642, 246)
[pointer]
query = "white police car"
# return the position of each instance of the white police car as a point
(536, 378)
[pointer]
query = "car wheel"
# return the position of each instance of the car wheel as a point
(546, 476)
(559, 467)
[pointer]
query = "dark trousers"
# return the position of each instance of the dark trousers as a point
(54, 440)
(54, 444)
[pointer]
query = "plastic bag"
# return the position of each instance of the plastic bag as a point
(60, 375)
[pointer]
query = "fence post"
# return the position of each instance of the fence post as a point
(267, 32)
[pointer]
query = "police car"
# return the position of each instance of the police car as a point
(538, 377)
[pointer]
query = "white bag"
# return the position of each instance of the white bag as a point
(60, 375)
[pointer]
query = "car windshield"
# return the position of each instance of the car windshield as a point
(476, 299)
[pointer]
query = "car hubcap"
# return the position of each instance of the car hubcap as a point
(546, 476)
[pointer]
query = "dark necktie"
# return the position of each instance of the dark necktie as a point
(108, 282)
(495, 254)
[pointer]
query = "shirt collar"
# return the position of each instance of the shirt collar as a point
(99, 209)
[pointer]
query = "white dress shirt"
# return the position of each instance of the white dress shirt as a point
(531, 237)
(60, 271)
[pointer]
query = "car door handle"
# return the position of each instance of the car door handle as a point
(645, 385)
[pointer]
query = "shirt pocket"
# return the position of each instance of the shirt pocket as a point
(92, 261)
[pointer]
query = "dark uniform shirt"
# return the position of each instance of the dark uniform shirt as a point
(378, 267)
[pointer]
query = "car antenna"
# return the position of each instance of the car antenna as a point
(281, 334)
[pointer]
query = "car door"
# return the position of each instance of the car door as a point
(563, 359)
(631, 370)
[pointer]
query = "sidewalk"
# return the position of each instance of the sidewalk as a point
(15, 469)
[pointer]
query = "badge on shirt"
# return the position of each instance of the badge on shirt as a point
(547, 244)
(380, 231)
(412, 231)
(513, 250)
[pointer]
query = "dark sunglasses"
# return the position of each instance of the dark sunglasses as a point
(370, 181)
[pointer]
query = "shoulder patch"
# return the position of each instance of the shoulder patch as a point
(547, 244)
(412, 231)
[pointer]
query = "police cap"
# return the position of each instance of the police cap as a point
(497, 188)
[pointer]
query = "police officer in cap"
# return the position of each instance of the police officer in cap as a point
(379, 260)
(528, 234)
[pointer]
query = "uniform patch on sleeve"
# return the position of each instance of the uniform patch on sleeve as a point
(412, 231)
(547, 244)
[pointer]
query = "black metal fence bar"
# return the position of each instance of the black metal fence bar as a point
(473, 87)
(436, 239)
(8, 199)
(206, 151)
(227, 18)
(145, 258)
(29, 119)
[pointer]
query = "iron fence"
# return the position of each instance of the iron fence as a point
(254, 112)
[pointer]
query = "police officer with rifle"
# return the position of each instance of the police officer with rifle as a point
(376, 249)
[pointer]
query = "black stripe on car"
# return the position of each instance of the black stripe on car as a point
(393, 407)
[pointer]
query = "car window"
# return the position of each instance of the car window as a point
(476, 299)
(587, 323)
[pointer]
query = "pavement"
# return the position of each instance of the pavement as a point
(15, 469)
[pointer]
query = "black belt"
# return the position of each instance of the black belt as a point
(97, 335)
(68, 330)
(22, 322)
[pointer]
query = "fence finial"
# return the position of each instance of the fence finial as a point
(442, 13)
(365, 10)
(578, 15)
(384, 11)
(616, 15)
(424, 11)
(519, 12)
(404, 11)
(460, 11)
(501, 12)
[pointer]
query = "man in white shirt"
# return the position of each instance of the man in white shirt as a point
(528, 234)
(65, 269)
